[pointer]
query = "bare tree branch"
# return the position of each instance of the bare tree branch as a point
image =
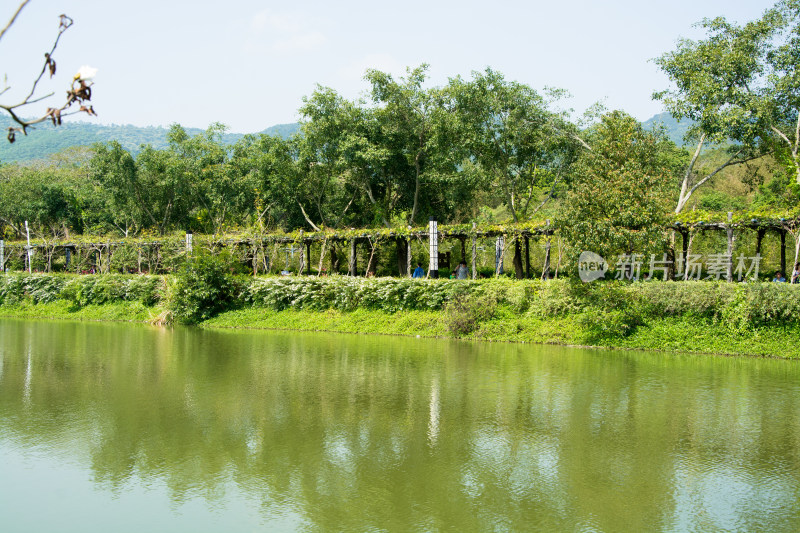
(306, 217)
(14, 18)
(79, 93)
(49, 63)
(732, 161)
(549, 196)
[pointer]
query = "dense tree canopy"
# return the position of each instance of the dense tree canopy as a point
(620, 197)
(518, 146)
(404, 153)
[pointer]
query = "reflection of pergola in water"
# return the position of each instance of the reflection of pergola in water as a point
(261, 251)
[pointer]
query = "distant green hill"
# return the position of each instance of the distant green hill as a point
(47, 139)
(675, 130)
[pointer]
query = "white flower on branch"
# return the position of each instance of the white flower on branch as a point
(86, 73)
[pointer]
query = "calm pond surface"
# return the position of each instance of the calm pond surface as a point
(116, 427)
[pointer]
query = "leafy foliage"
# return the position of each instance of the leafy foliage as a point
(603, 312)
(464, 313)
(516, 143)
(80, 290)
(348, 294)
(620, 194)
(202, 288)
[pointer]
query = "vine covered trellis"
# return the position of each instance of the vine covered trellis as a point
(337, 248)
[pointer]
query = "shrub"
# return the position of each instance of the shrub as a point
(105, 288)
(39, 288)
(697, 298)
(762, 304)
(465, 312)
(555, 298)
(201, 289)
(204, 287)
(603, 324)
(144, 289)
(347, 294)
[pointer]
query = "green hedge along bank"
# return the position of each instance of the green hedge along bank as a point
(760, 319)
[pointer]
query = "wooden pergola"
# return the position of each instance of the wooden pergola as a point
(512, 236)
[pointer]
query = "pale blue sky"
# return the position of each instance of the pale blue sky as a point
(248, 64)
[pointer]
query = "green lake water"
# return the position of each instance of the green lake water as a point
(116, 427)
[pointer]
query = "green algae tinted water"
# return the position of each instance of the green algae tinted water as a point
(107, 427)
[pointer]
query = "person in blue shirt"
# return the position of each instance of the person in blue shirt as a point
(461, 271)
(418, 272)
(779, 277)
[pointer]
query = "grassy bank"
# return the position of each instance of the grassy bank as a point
(664, 334)
(704, 317)
(64, 310)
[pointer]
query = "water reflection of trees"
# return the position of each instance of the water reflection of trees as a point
(351, 432)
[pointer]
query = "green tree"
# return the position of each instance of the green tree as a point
(739, 84)
(619, 200)
(411, 123)
(516, 143)
(45, 197)
(71, 167)
(218, 194)
(114, 170)
(266, 166)
(337, 158)
(154, 188)
(384, 163)
(779, 100)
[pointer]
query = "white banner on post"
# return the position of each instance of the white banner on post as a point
(433, 245)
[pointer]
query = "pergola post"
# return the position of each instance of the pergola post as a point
(729, 230)
(402, 252)
(685, 248)
(499, 252)
(352, 263)
(322, 251)
(302, 264)
(519, 273)
(334, 259)
(474, 252)
(409, 272)
(527, 257)
(783, 251)
(759, 238)
(546, 267)
(28, 248)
